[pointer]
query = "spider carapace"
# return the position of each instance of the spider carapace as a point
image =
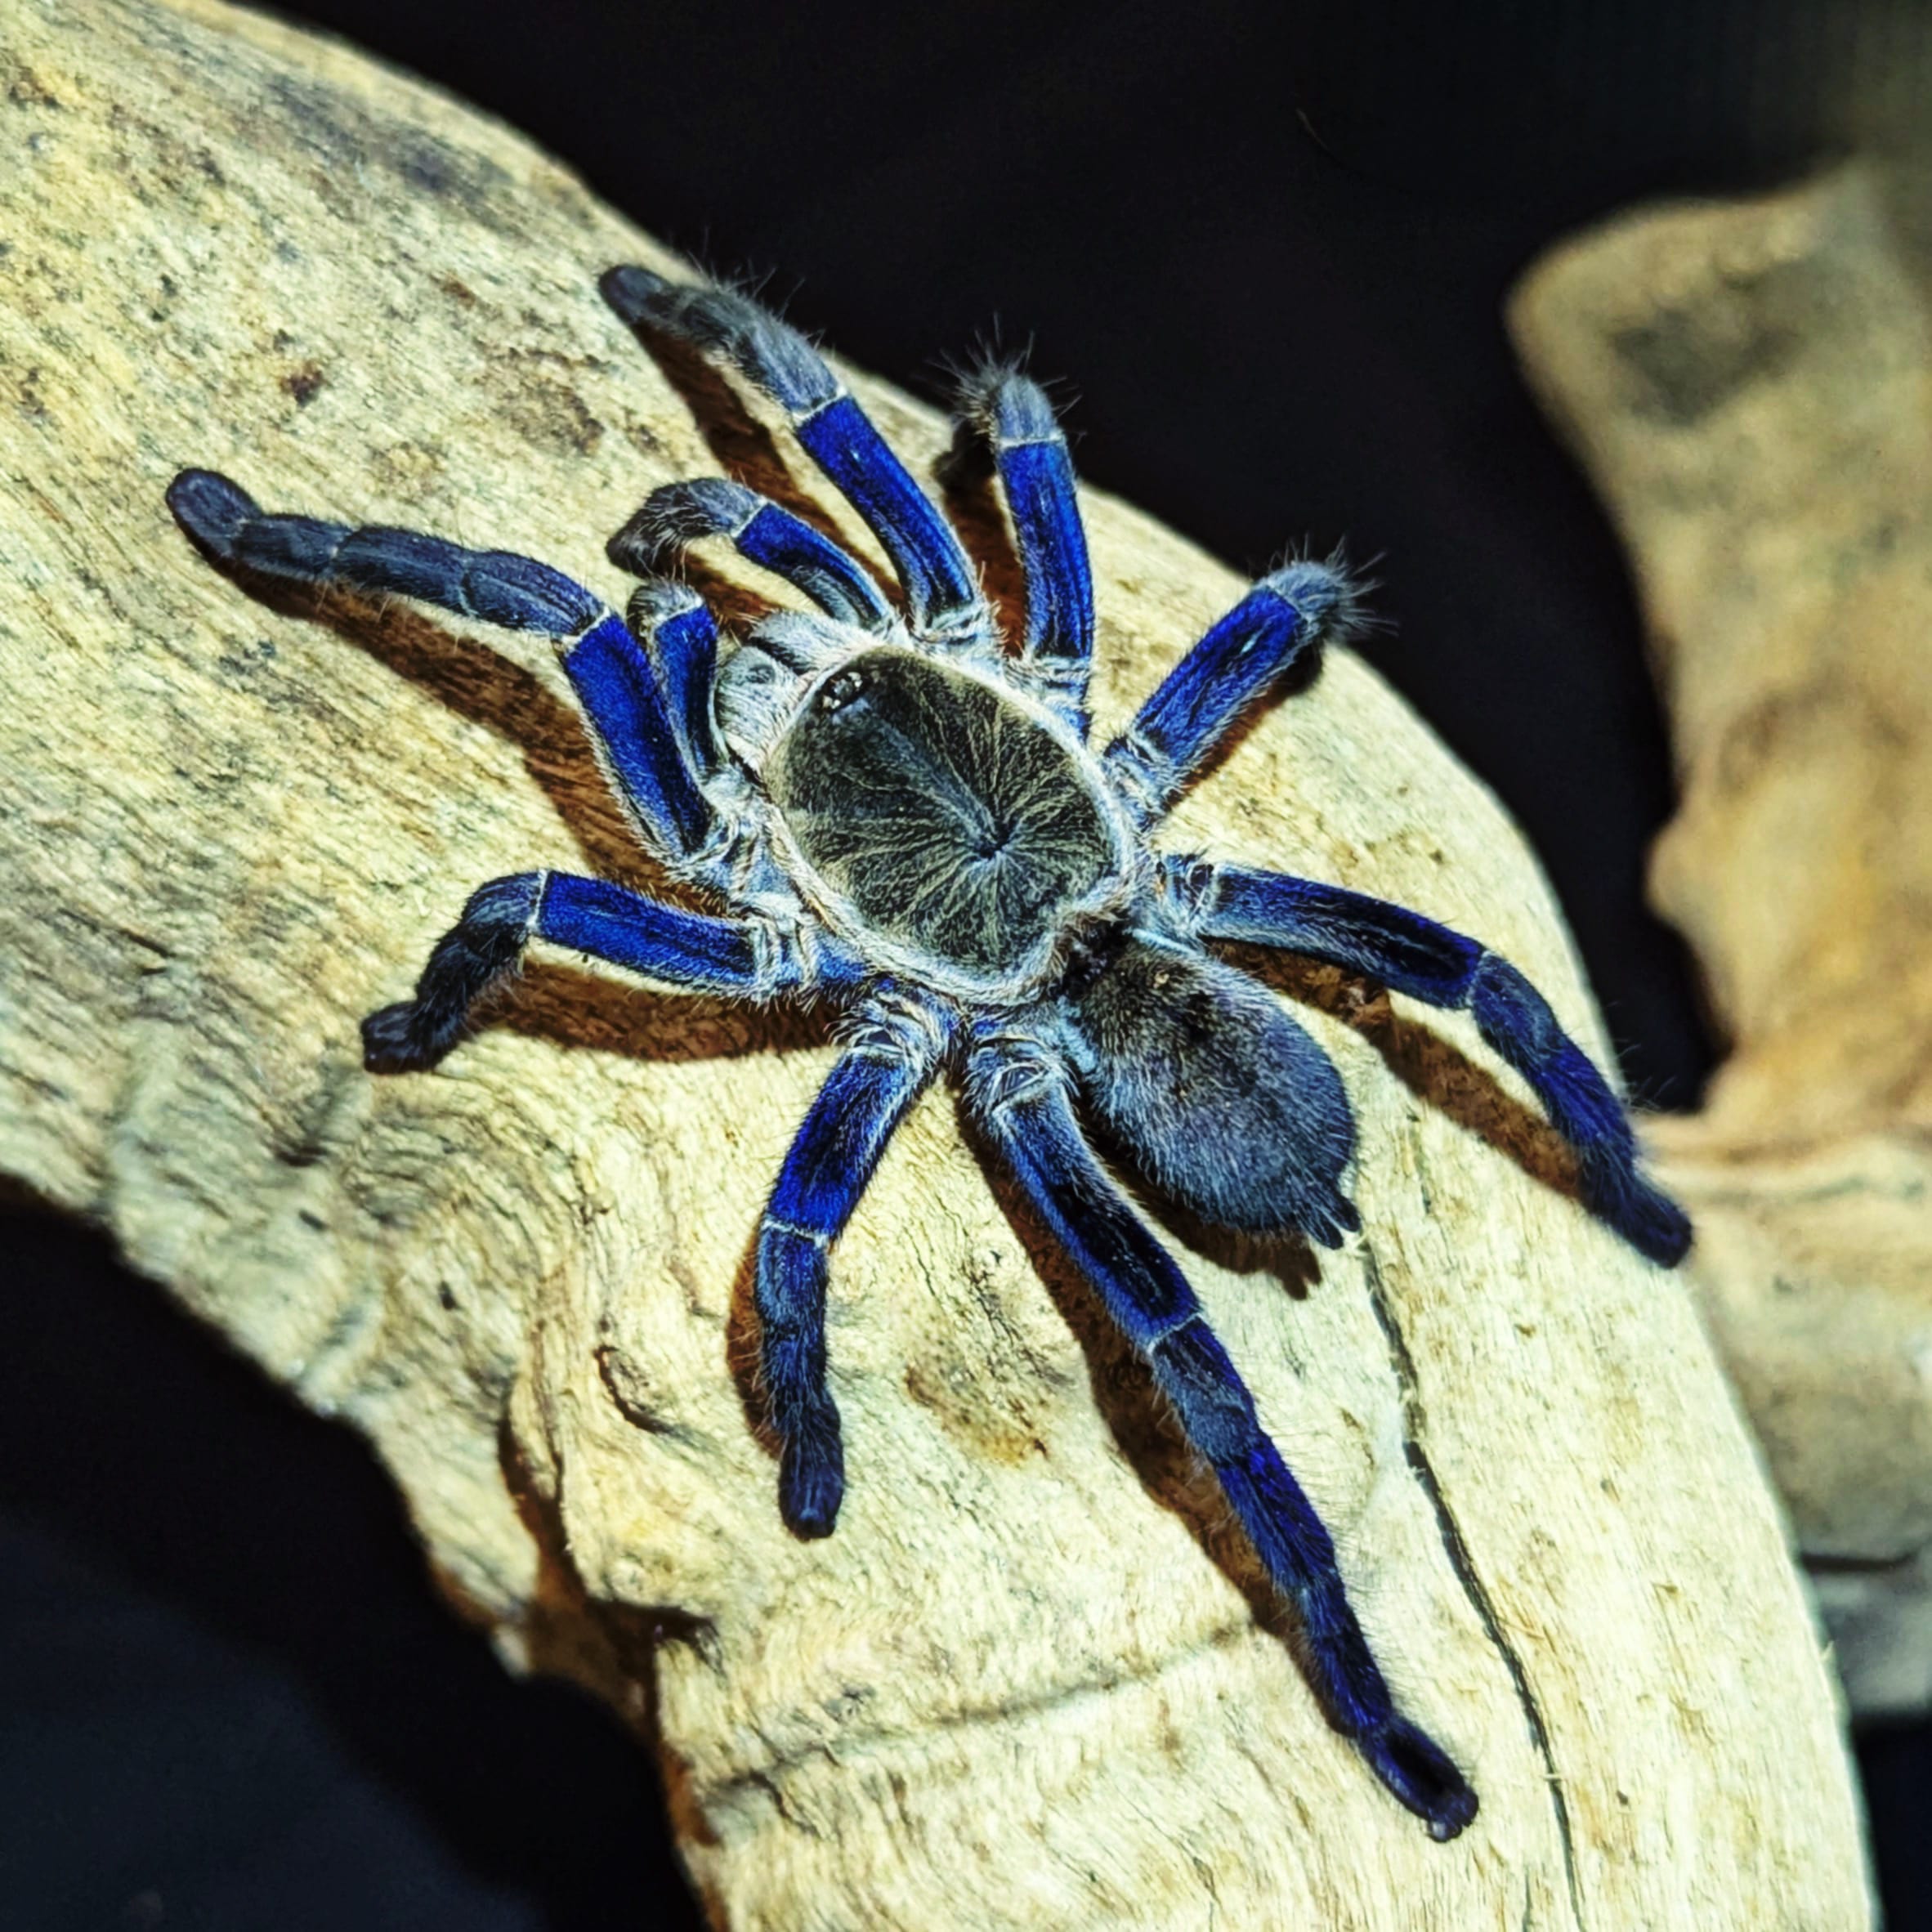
(898, 816)
(936, 819)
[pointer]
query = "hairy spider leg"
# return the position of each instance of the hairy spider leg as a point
(762, 532)
(679, 636)
(832, 1159)
(1222, 677)
(1411, 955)
(941, 593)
(1021, 1096)
(606, 665)
(686, 952)
(1011, 411)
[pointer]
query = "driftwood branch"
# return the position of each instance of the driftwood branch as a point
(1751, 386)
(1028, 1683)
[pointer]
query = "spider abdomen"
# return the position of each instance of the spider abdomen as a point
(1228, 1105)
(939, 815)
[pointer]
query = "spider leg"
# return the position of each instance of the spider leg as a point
(865, 1098)
(1230, 670)
(680, 639)
(1020, 1094)
(1011, 411)
(762, 532)
(686, 952)
(941, 593)
(614, 679)
(1414, 955)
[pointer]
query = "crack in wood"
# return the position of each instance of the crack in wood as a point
(1463, 1565)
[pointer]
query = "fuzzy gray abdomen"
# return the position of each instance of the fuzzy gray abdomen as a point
(945, 818)
(1223, 1102)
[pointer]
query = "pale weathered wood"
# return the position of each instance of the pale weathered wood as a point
(1022, 1686)
(1750, 386)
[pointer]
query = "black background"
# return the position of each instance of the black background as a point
(1267, 245)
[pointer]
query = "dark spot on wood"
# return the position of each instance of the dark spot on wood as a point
(303, 382)
(1687, 360)
(551, 413)
(28, 398)
(27, 89)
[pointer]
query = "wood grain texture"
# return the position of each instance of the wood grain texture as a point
(1750, 385)
(1026, 1684)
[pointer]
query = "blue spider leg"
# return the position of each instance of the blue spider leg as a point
(831, 1161)
(1230, 670)
(941, 593)
(613, 678)
(1012, 412)
(679, 636)
(1021, 1096)
(687, 952)
(762, 532)
(1413, 956)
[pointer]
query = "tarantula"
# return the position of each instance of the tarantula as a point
(908, 825)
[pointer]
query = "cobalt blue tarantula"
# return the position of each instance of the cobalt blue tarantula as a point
(906, 824)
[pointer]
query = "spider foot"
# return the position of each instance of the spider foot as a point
(399, 1040)
(628, 289)
(476, 955)
(1420, 1772)
(1645, 1216)
(212, 510)
(811, 1479)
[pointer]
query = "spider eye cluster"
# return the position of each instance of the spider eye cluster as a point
(841, 689)
(767, 683)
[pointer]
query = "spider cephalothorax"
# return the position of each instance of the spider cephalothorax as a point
(901, 818)
(951, 830)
